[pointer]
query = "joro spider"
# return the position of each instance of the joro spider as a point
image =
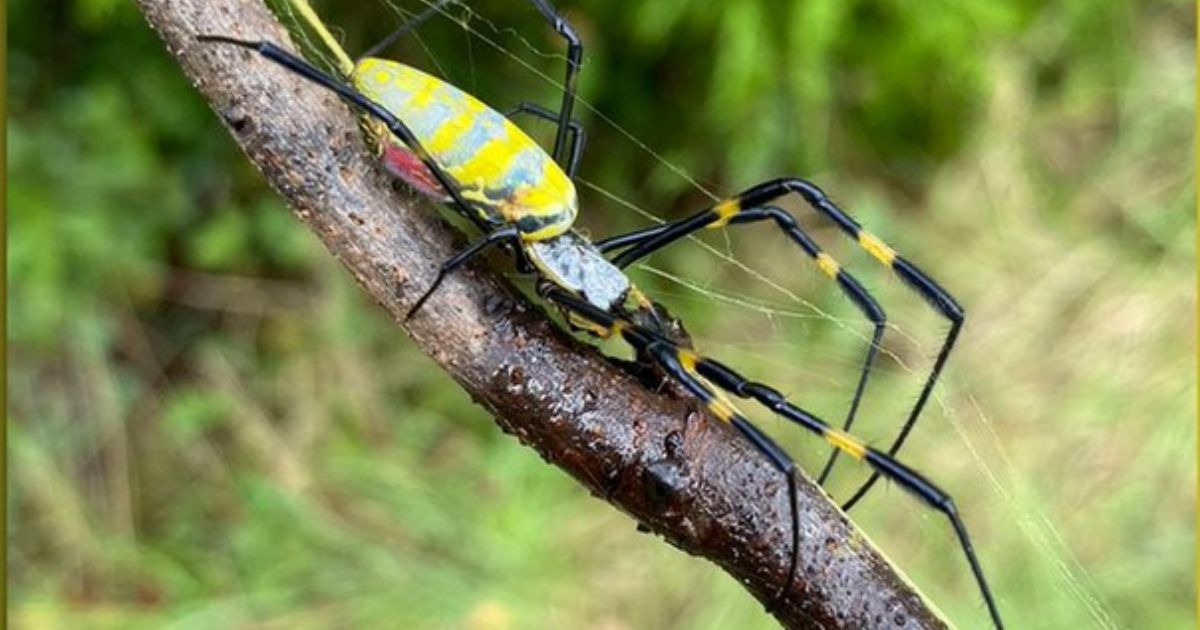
(451, 147)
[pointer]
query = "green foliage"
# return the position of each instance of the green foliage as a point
(210, 426)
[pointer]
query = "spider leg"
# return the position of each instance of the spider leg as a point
(408, 26)
(699, 374)
(766, 192)
(578, 136)
(508, 234)
(679, 364)
(666, 233)
(574, 60)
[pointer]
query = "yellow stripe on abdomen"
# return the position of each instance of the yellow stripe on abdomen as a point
(494, 163)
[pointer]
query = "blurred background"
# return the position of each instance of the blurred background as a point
(210, 425)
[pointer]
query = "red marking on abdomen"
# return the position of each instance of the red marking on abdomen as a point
(402, 163)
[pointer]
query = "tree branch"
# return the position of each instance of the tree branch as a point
(658, 458)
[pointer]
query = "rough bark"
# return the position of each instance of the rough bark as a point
(656, 457)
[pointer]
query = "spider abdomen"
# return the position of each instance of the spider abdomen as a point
(501, 171)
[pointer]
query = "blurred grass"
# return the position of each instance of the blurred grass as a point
(209, 425)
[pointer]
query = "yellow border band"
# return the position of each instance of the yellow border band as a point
(876, 247)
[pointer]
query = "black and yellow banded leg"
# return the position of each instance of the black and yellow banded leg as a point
(578, 136)
(699, 374)
(680, 364)
(882, 464)
(731, 213)
(767, 192)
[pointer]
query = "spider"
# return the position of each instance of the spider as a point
(451, 147)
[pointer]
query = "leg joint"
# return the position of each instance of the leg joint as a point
(765, 394)
(938, 297)
(781, 216)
